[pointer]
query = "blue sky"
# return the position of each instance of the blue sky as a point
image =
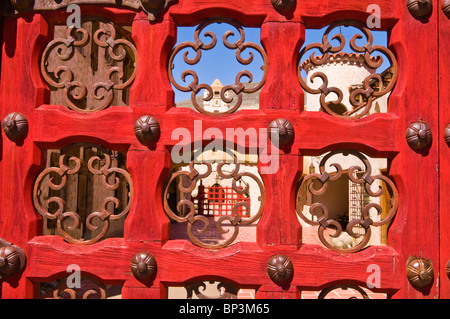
(220, 62)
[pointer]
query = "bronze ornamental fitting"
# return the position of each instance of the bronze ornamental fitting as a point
(152, 4)
(22, 4)
(419, 271)
(418, 135)
(445, 5)
(12, 259)
(447, 269)
(281, 131)
(356, 107)
(447, 134)
(419, 8)
(280, 269)
(147, 129)
(15, 126)
(283, 5)
(143, 267)
(154, 7)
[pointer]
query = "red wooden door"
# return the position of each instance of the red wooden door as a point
(444, 147)
(92, 185)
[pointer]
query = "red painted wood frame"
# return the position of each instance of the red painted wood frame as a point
(444, 151)
(414, 231)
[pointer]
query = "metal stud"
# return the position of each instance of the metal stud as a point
(447, 269)
(419, 272)
(12, 259)
(152, 4)
(281, 131)
(147, 129)
(445, 5)
(283, 5)
(154, 7)
(280, 269)
(143, 267)
(447, 134)
(15, 126)
(418, 135)
(419, 8)
(22, 4)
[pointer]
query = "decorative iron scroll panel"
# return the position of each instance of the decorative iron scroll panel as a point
(75, 177)
(43, 78)
(238, 89)
(186, 182)
(93, 65)
(375, 85)
(87, 289)
(364, 221)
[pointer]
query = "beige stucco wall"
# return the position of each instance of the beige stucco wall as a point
(342, 73)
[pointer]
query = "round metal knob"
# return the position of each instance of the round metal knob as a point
(12, 259)
(419, 8)
(280, 269)
(281, 131)
(447, 269)
(22, 4)
(154, 7)
(9, 261)
(447, 134)
(15, 126)
(147, 129)
(283, 5)
(418, 135)
(152, 4)
(143, 267)
(445, 5)
(420, 272)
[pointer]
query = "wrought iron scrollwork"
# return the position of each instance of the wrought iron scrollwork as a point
(73, 166)
(63, 76)
(186, 184)
(59, 289)
(198, 46)
(373, 86)
(320, 211)
(357, 291)
(224, 290)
